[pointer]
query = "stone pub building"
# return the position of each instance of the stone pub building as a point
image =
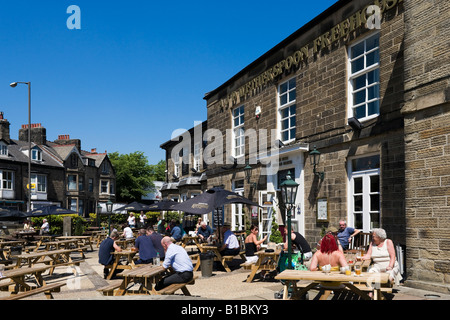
(366, 84)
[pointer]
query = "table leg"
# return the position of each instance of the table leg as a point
(114, 267)
(354, 289)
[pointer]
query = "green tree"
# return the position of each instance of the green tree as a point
(159, 171)
(133, 175)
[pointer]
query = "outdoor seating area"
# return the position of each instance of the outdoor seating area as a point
(52, 271)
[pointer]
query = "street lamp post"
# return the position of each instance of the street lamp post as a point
(289, 193)
(109, 206)
(13, 85)
(99, 212)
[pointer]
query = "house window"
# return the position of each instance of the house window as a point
(364, 79)
(7, 180)
(104, 184)
(105, 168)
(364, 192)
(73, 204)
(287, 110)
(91, 185)
(72, 182)
(36, 155)
(176, 166)
(40, 181)
(74, 160)
(3, 149)
(238, 131)
(197, 155)
(80, 183)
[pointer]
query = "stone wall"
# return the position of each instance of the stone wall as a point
(427, 149)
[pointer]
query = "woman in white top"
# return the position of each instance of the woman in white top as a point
(382, 253)
(131, 220)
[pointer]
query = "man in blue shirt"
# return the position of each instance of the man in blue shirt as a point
(345, 234)
(145, 247)
(178, 259)
(204, 232)
(175, 232)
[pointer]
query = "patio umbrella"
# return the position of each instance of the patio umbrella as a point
(133, 206)
(164, 205)
(9, 214)
(210, 200)
(49, 210)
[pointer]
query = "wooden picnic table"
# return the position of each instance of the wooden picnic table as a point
(57, 258)
(187, 240)
(332, 281)
(17, 278)
(66, 244)
(267, 261)
(146, 275)
(86, 240)
(218, 257)
(127, 255)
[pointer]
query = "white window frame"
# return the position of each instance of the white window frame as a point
(237, 212)
(176, 166)
(74, 183)
(238, 131)
(365, 195)
(40, 181)
(287, 106)
(107, 186)
(36, 154)
(197, 155)
(3, 149)
(8, 180)
(363, 72)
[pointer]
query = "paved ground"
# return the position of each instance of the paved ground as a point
(221, 285)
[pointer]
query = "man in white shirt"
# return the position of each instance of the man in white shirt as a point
(230, 246)
(177, 258)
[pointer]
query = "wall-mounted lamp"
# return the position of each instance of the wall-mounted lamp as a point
(314, 160)
(248, 174)
(355, 124)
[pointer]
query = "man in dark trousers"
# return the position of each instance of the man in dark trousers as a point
(105, 257)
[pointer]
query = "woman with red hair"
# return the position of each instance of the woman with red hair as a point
(328, 254)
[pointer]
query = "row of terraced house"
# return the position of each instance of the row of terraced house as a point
(365, 85)
(62, 173)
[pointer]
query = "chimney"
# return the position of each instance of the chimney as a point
(64, 139)
(38, 133)
(4, 128)
(94, 150)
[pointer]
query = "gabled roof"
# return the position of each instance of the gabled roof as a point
(16, 154)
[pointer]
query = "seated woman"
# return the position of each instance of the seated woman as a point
(252, 244)
(328, 254)
(382, 253)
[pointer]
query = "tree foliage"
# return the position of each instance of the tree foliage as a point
(134, 175)
(159, 171)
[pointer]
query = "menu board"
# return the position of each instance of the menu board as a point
(322, 209)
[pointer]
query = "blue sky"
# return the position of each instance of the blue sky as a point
(136, 70)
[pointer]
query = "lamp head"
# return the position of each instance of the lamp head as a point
(13, 85)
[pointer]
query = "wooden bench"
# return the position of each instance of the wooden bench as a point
(247, 265)
(109, 289)
(195, 258)
(171, 289)
(47, 289)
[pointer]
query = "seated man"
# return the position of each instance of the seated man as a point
(175, 231)
(145, 247)
(177, 258)
(204, 232)
(230, 245)
(105, 257)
